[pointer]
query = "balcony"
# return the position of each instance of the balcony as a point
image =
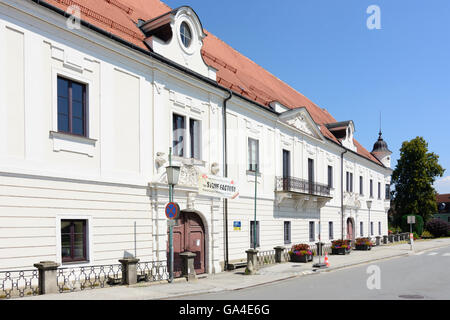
(305, 193)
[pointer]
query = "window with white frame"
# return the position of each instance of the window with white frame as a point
(252, 234)
(361, 185)
(312, 235)
(330, 230)
(349, 184)
(287, 232)
(361, 229)
(74, 240)
(379, 190)
(330, 176)
(72, 107)
(371, 188)
(253, 155)
(181, 138)
(179, 135)
(195, 138)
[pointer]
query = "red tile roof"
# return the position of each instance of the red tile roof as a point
(443, 198)
(235, 71)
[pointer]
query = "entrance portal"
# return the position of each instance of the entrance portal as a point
(350, 229)
(188, 235)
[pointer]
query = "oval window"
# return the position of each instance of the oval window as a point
(186, 35)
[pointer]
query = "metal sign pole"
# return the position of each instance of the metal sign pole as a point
(411, 239)
(170, 228)
(254, 224)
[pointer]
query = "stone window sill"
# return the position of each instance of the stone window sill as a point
(73, 143)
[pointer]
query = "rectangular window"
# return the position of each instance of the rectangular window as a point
(252, 230)
(361, 231)
(330, 230)
(71, 107)
(253, 154)
(178, 127)
(73, 240)
(387, 192)
(371, 228)
(286, 164)
(349, 182)
(361, 185)
(287, 232)
(195, 138)
(371, 188)
(330, 176)
(379, 190)
(311, 176)
(379, 228)
(312, 235)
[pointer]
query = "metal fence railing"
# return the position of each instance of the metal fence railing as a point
(302, 186)
(265, 257)
(80, 278)
(152, 271)
(19, 283)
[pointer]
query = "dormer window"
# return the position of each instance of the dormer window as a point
(186, 35)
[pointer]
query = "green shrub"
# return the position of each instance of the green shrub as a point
(417, 227)
(426, 235)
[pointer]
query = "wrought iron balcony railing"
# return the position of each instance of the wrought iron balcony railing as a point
(292, 184)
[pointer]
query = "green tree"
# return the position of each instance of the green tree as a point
(413, 177)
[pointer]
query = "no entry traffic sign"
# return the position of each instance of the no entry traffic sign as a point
(172, 210)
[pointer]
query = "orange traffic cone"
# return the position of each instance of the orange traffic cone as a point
(326, 259)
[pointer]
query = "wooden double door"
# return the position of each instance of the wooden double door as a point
(189, 235)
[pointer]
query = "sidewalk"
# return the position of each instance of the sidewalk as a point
(234, 280)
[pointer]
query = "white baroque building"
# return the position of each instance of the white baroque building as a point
(89, 109)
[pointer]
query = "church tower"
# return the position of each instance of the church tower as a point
(381, 151)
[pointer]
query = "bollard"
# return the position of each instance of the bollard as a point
(188, 269)
(252, 261)
(48, 282)
(279, 254)
(129, 270)
(319, 246)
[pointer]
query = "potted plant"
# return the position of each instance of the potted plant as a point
(363, 244)
(300, 253)
(341, 247)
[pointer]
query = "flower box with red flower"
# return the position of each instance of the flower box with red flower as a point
(363, 244)
(341, 247)
(300, 253)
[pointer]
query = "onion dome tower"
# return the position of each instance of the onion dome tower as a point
(381, 151)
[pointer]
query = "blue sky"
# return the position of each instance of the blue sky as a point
(324, 50)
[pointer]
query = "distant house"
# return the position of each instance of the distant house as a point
(443, 203)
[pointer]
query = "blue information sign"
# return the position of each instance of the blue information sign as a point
(172, 210)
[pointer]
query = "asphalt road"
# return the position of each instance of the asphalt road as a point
(425, 275)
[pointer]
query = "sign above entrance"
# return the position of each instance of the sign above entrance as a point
(172, 210)
(217, 186)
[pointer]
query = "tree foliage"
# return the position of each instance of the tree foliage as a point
(414, 175)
